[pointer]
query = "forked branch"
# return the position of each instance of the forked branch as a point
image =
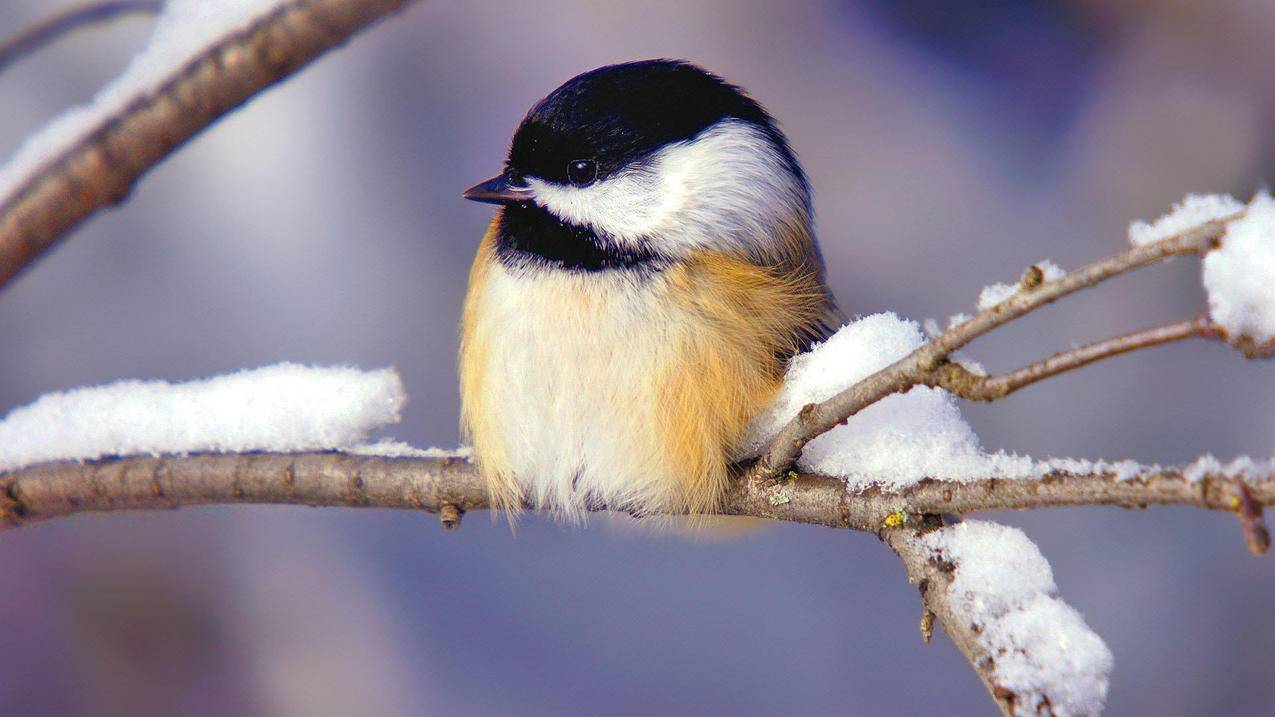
(927, 364)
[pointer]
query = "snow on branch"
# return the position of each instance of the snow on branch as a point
(1040, 650)
(995, 595)
(204, 60)
(1238, 278)
(285, 407)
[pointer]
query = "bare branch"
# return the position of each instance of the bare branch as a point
(102, 167)
(918, 367)
(69, 20)
(959, 381)
(317, 479)
(330, 479)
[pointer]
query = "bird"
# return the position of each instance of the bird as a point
(650, 270)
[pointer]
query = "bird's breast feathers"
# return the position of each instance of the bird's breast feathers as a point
(623, 388)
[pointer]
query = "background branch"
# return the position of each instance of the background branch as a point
(66, 21)
(102, 167)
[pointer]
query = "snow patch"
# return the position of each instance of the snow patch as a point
(1120, 470)
(993, 294)
(1191, 212)
(1041, 647)
(389, 448)
(893, 443)
(1239, 275)
(1239, 468)
(285, 407)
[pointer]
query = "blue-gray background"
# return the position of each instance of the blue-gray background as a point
(949, 146)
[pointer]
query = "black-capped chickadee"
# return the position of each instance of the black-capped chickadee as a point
(633, 305)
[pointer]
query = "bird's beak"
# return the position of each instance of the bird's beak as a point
(497, 190)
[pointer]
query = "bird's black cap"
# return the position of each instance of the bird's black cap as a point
(619, 114)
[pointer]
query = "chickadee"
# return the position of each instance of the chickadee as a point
(633, 305)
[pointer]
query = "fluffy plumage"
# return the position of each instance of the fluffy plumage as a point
(620, 333)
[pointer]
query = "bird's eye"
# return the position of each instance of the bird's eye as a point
(582, 171)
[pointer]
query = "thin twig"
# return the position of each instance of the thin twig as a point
(69, 20)
(1256, 535)
(917, 367)
(102, 166)
(962, 382)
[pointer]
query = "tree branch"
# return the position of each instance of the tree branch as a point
(962, 382)
(451, 486)
(69, 20)
(920, 366)
(329, 479)
(102, 167)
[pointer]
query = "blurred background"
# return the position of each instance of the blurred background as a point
(949, 145)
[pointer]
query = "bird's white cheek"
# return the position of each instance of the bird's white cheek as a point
(626, 208)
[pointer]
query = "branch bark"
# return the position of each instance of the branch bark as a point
(962, 382)
(101, 168)
(931, 580)
(330, 479)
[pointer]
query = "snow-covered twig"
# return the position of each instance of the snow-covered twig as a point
(923, 366)
(140, 127)
(995, 596)
(932, 578)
